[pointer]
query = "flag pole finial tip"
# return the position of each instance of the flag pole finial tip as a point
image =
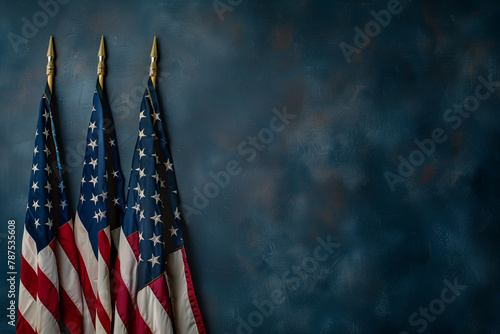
(50, 51)
(102, 50)
(154, 50)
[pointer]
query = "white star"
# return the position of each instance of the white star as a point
(94, 199)
(93, 144)
(61, 186)
(49, 223)
(102, 214)
(141, 238)
(154, 260)
(82, 198)
(156, 218)
(35, 205)
(168, 165)
(136, 207)
(115, 173)
(35, 151)
(173, 231)
(141, 215)
(83, 179)
(141, 172)
(141, 194)
(49, 205)
(141, 115)
(140, 257)
(36, 133)
(96, 216)
(156, 196)
(112, 142)
(104, 195)
(106, 175)
(141, 153)
(37, 223)
(93, 163)
(46, 151)
(177, 214)
(162, 184)
(157, 158)
(138, 188)
(47, 169)
(155, 239)
(93, 108)
(34, 186)
(34, 168)
(63, 204)
(48, 187)
(115, 201)
(93, 180)
(46, 133)
(141, 134)
(46, 115)
(92, 126)
(156, 177)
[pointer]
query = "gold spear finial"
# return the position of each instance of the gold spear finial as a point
(101, 67)
(50, 63)
(153, 69)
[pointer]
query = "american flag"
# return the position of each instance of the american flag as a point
(99, 214)
(49, 289)
(156, 292)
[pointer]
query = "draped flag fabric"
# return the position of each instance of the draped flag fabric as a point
(49, 289)
(99, 214)
(155, 291)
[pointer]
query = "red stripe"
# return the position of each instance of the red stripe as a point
(104, 246)
(133, 241)
(142, 327)
(48, 294)
(23, 327)
(124, 305)
(29, 278)
(104, 251)
(71, 315)
(192, 296)
(66, 239)
(88, 293)
(103, 316)
(160, 290)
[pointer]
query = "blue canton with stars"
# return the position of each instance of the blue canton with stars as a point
(101, 195)
(47, 207)
(152, 204)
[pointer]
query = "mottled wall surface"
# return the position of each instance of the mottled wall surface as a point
(373, 208)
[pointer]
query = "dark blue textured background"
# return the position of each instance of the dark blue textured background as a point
(322, 176)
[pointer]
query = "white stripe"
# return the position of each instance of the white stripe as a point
(128, 266)
(47, 263)
(88, 325)
(47, 324)
(152, 311)
(69, 279)
(185, 322)
(103, 287)
(29, 250)
(27, 306)
(84, 247)
(119, 327)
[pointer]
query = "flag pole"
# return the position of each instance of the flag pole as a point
(153, 69)
(50, 63)
(101, 66)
